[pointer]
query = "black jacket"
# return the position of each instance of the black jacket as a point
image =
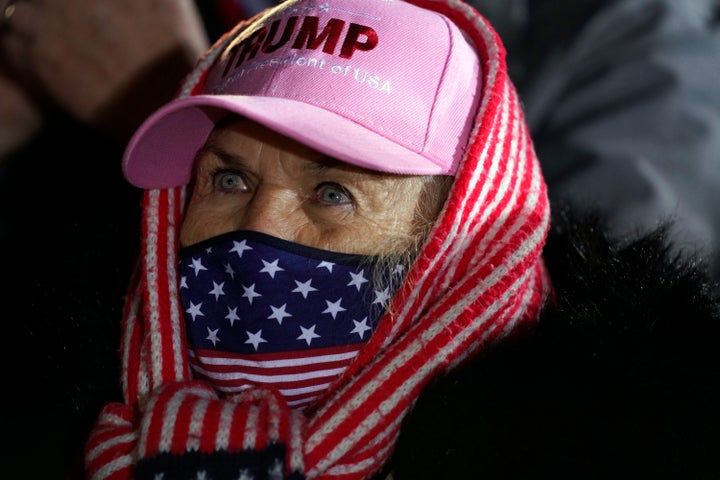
(620, 378)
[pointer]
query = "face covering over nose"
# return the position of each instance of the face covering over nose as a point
(264, 311)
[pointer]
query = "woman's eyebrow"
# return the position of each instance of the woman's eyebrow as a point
(327, 163)
(323, 164)
(225, 156)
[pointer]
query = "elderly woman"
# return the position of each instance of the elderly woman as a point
(341, 204)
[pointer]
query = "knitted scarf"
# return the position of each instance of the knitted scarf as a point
(478, 277)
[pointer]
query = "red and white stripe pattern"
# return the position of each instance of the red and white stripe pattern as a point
(478, 277)
(299, 376)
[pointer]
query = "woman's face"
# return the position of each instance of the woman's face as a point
(248, 177)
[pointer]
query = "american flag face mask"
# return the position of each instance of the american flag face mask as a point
(260, 310)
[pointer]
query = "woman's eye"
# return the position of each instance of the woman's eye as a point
(229, 181)
(333, 194)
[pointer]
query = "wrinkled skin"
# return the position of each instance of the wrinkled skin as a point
(249, 177)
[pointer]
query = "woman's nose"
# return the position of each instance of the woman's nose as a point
(273, 211)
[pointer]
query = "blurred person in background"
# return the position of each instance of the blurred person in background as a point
(623, 103)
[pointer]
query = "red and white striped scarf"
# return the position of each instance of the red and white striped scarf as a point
(478, 277)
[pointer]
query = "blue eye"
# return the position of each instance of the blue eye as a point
(333, 194)
(229, 181)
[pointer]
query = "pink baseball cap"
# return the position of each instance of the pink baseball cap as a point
(381, 84)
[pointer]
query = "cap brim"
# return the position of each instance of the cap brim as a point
(161, 152)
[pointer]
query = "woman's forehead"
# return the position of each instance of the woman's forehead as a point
(238, 140)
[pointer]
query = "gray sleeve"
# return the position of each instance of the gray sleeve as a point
(626, 119)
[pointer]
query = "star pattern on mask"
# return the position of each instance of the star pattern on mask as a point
(299, 314)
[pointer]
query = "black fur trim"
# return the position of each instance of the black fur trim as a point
(620, 379)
